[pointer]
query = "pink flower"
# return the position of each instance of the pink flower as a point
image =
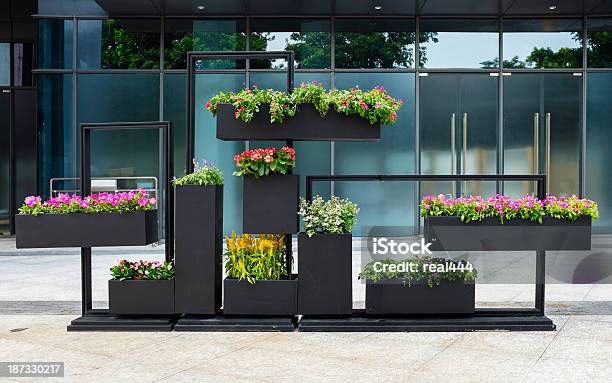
(268, 159)
(143, 201)
(32, 200)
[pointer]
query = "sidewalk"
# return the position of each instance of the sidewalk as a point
(579, 351)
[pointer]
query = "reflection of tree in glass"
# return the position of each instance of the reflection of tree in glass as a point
(179, 44)
(357, 49)
(128, 50)
(599, 52)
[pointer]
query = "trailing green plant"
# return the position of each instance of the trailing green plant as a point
(143, 270)
(255, 258)
(205, 175)
(374, 105)
(503, 207)
(263, 162)
(334, 216)
(419, 271)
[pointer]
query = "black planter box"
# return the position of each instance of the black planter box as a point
(278, 297)
(449, 233)
(86, 230)
(270, 204)
(325, 269)
(144, 297)
(198, 249)
(393, 297)
(306, 125)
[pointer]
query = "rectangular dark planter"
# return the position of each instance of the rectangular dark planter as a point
(144, 297)
(198, 249)
(265, 297)
(325, 270)
(306, 125)
(270, 204)
(393, 297)
(449, 233)
(86, 230)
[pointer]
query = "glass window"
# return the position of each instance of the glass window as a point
(5, 64)
(23, 63)
(5, 162)
(70, 7)
(543, 43)
(309, 39)
(221, 153)
(598, 154)
(55, 44)
(121, 97)
(182, 36)
(599, 43)
(118, 44)
(375, 43)
(381, 203)
(55, 126)
(459, 43)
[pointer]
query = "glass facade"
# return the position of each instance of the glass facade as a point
(134, 69)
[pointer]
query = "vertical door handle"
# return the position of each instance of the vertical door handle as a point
(453, 143)
(536, 143)
(548, 123)
(464, 156)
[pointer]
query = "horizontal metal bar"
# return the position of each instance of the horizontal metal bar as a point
(123, 125)
(430, 177)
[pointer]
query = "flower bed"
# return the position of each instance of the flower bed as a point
(270, 195)
(257, 281)
(199, 241)
(374, 105)
(500, 223)
(424, 289)
(105, 219)
(308, 114)
(325, 256)
(141, 288)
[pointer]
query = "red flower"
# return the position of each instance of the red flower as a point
(208, 105)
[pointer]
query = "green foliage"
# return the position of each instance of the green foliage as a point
(255, 258)
(128, 50)
(207, 175)
(421, 273)
(374, 105)
(143, 270)
(334, 216)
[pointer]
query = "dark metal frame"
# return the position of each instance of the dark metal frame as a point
(86, 129)
(541, 193)
(192, 57)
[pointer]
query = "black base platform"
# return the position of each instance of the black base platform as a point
(363, 323)
(101, 320)
(236, 324)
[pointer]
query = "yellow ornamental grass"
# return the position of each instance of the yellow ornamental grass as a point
(255, 258)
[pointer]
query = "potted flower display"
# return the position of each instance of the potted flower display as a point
(419, 285)
(199, 240)
(308, 113)
(105, 219)
(502, 223)
(270, 197)
(141, 288)
(325, 256)
(258, 282)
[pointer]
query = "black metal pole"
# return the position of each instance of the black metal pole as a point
(86, 288)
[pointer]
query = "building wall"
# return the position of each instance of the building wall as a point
(134, 69)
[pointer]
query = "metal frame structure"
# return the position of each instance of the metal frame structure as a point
(492, 318)
(75, 71)
(94, 319)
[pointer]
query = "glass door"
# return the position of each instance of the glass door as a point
(542, 114)
(458, 130)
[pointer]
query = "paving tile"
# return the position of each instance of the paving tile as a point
(589, 327)
(562, 371)
(520, 344)
(580, 349)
